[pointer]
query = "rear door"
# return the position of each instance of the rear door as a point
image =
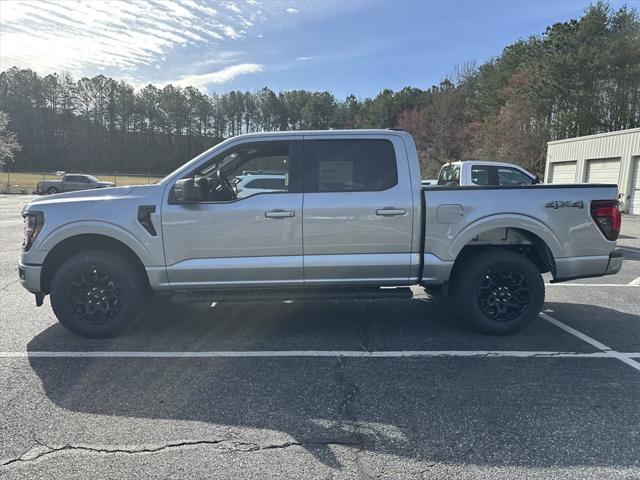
(358, 210)
(73, 182)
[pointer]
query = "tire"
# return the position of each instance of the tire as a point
(52, 190)
(498, 291)
(96, 294)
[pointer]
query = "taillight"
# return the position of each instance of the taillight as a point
(607, 217)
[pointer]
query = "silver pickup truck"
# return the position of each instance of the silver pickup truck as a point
(70, 183)
(351, 221)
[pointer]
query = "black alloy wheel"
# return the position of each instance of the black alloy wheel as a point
(503, 295)
(94, 296)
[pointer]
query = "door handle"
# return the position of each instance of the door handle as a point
(390, 212)
(279, 214)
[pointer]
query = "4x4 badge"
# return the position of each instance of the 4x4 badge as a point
(565, 204)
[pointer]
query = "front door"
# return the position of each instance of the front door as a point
(358, 211)
(239, 237)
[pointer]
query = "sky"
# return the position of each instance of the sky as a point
(343, 46)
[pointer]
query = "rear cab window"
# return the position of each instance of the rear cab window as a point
(350, 165)
(449, 175)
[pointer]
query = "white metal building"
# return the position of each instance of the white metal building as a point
(612, 157)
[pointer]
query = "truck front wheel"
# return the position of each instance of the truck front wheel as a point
(52, 190)
(97, 293)
(498, 291)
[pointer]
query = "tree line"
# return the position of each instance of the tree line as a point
(577, 78)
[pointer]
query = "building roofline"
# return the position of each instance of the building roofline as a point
(594, 136)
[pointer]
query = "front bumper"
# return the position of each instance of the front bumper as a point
(30, 276)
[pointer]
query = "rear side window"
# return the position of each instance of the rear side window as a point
(481, 175)
(74, 178)
(350, 165)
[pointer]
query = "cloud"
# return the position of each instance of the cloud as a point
(292, 11)
(221, 76)
(304, 59)
(87, 35)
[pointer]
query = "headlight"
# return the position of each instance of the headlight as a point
(33, 222)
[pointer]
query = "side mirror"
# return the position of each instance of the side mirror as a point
(185, 191)
(537, 180)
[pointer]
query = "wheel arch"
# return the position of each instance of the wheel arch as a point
(517, 239)
(78, 243)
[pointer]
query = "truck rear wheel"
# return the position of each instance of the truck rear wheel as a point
(52, 190)
(97, 293)
(498, 291)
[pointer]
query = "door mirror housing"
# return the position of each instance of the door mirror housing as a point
(185, 191)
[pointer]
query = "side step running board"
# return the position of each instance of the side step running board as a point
(281, 294)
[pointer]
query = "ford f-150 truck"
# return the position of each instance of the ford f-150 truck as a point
(70, 183)
(351, 221)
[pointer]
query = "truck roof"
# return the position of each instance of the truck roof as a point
(486, 162)
(364, 131)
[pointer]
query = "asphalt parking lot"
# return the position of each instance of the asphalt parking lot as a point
(382, 389)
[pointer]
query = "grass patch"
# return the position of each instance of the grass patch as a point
(19, 182)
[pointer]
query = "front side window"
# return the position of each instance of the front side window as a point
(511, 177)
(350, 166)
(228, 176)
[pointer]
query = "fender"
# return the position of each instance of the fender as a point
(508, 220)
(97, 227)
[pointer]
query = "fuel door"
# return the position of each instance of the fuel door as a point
(449, 213)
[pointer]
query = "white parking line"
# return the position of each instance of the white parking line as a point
(623, 357)
(305, 353)
(634, 283)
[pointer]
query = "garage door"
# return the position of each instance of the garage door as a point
(634, 202)
(603, 171)
(562, 172)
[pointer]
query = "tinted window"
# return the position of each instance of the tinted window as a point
(267, 183)
(512, 177)
(480, 175)
(350, 165)
(75, 178)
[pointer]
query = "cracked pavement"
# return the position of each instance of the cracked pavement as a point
(484, 416)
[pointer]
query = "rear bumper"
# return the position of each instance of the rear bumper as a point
(615, 262)
(586, 267)
(30, 276)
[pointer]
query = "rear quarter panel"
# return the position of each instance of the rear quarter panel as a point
(567, 231)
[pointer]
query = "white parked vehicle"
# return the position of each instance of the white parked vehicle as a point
(252, 184)
(476, 172)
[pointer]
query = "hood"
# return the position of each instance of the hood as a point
(93, 194)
